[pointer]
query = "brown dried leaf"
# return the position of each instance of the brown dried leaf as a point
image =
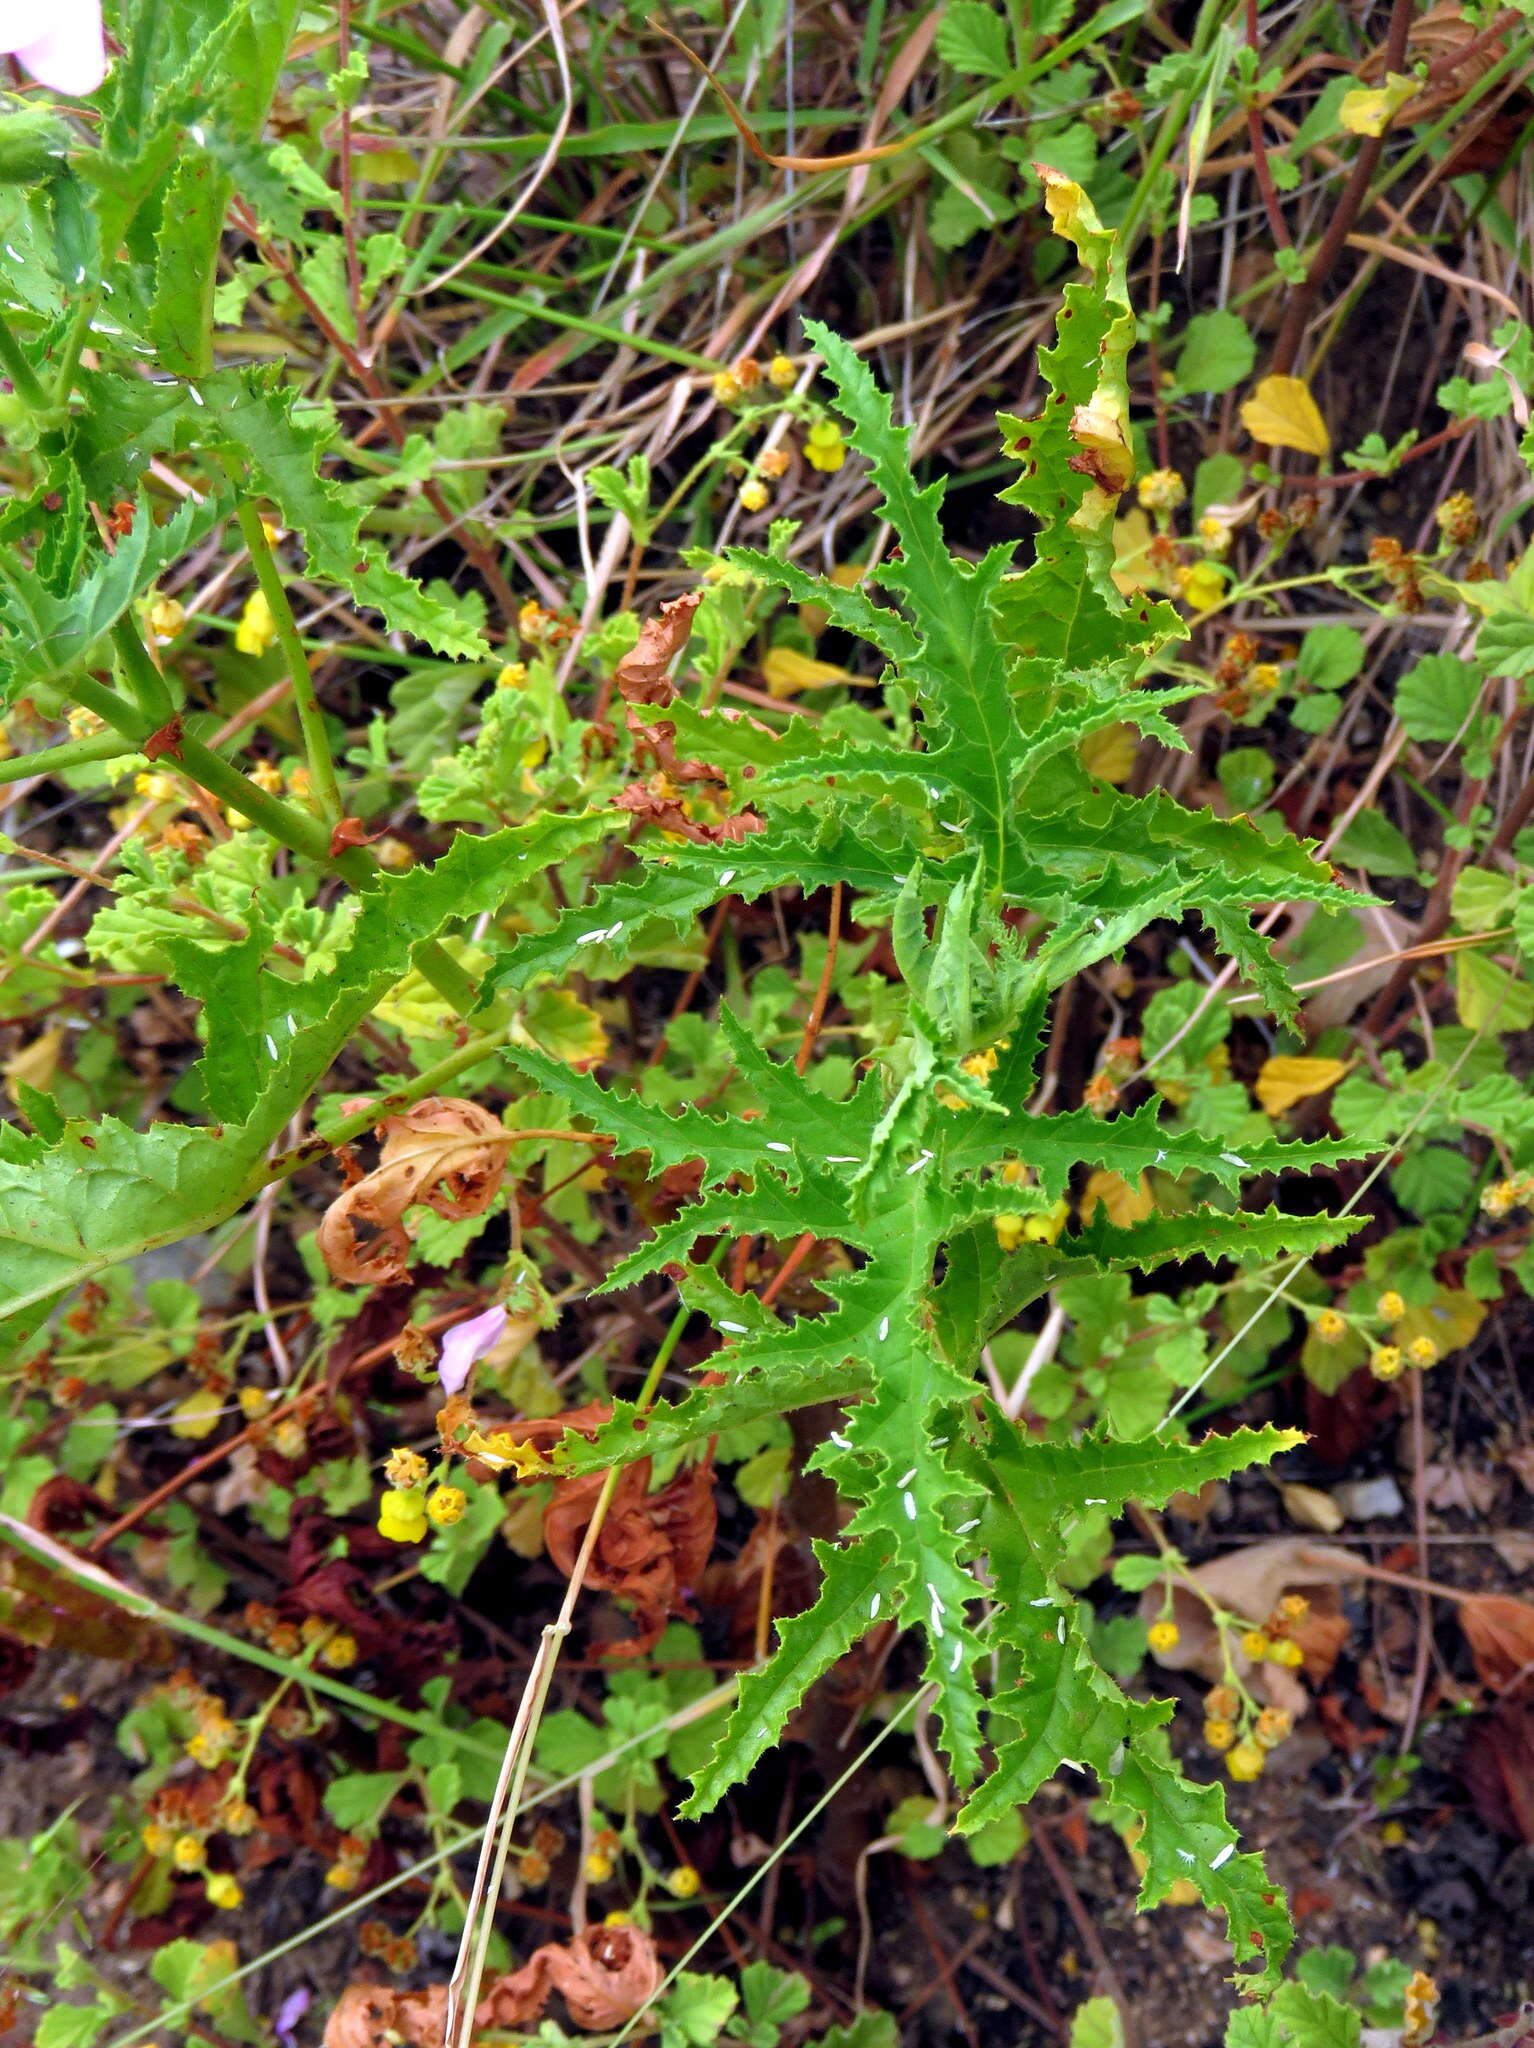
(1500, 1632)
(1251, 1583)
(605, 1975)
(643, 674)
(652, 1549)
(444, 1152)
(1498, 1769)
(1465, 1487)
(657, 801)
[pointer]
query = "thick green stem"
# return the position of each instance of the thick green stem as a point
(74, 343)
(101, 746)
(311, 719)
(150, 689)
(20, 371)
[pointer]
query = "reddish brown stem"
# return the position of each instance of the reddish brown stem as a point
(1301, 300)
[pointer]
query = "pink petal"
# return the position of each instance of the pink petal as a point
(69, 55)
(466, 1342)
(23, 22)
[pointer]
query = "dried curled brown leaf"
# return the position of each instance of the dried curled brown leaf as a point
(444, 1152)
(605, 1976)
(643, 674)
(652, 1549)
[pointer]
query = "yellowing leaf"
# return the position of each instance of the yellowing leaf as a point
(1286, 1079)
(197, 1415)
(1109, 755)
(787, 670)
(1366, 112)
(1132, 567)
(1124, 1201)
(1282, 414)
(560, 1024)
(385, 166)
(1450, 1320)
(35, 1063)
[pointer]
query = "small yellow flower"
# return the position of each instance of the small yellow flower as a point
(157, 1840)
(1162, 490)
(342, 1877)
(300, 781)
(684, 1882)
(208, 1746)
(156, 788)
(773, 462)
(780, 371)
(188, 1853)
(1255, 1645)
(446, 1505)
(1423, 1351)
(340, 1653)
(1273, 1726)
(1245, 1762)
(981, 1064)
(1392, 1835)
(1162, 1635)
(273, 533)
(405, 1468)
(1500, 1198)
(402, 1516)
(223, 1890)
(599, 1867)
(1009, 1231)
(238, 1817)
(1390, 1306)
(257, 629)
(393, 854)
(1330, 1327)
(84, 725)
(753, 494)
(1215, 533)
(1294, 1607)
(266, 775)
(1219, 1734)
(824, 447)
(1286, 1653)
(254, 1402)
(1386, 1362)
(726, 387)
(512, 676)
(166, 618)
(618, 1919)
(1202, 586)
(290, 1439)
(1222, 1703)
(1265, 676)
(1458, 520)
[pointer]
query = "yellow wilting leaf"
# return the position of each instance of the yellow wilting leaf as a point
(556, 1022)
(787, 670)
(197, 1415)
(1132, 567)
(1109, 755)
(1287, 1079)
(36, 1063)
(1282, 414)
(1370, 112)
(385, 166)
(1126, 1202)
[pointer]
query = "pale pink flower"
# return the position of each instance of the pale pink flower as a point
(58, 41)
(466, 1342)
